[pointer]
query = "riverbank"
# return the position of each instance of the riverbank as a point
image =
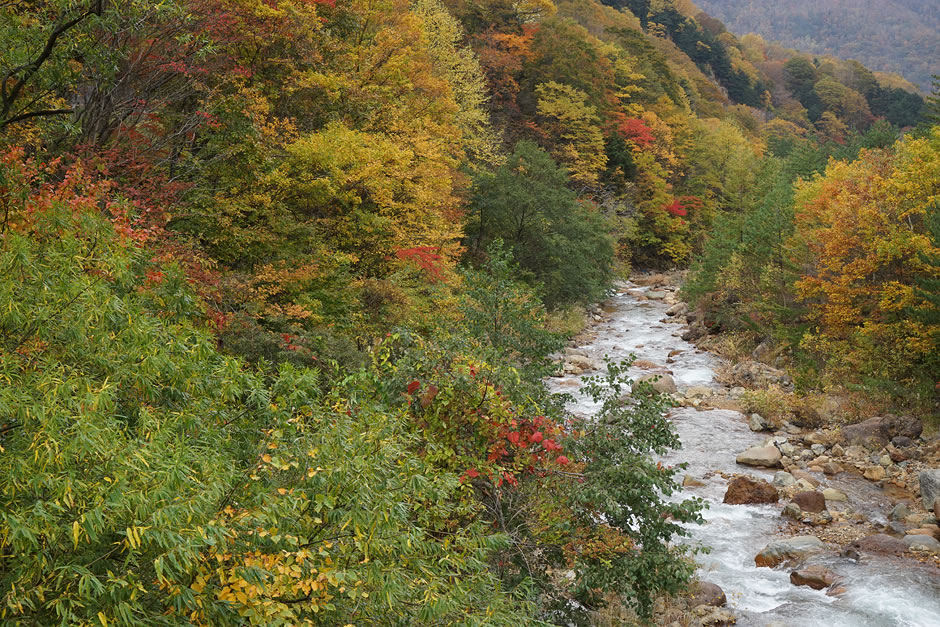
(851, 495)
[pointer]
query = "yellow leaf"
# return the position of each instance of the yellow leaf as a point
(103, 619)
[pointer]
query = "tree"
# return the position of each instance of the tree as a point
(561, 243)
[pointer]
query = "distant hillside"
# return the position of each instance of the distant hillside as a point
(900, 36)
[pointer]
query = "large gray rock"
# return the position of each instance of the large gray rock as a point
(782, 479)
(929, 487)
(922, 543)
(662, 383)
(878, 432)
(789, 549)
(764, 456)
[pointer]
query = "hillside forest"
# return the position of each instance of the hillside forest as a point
(897, 36)
(281, 280)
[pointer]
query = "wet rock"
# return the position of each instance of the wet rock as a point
(813, 502)
(662, 383)
(707, 593)
(879, 431)
(645, 364)
(929, 487)
(756, 422)
(782, 479)
(656, 295)
(581, 361)
(874, 473)
(689, 481)
(796, 548)
(879, 543)
(765, 456)
(832, 468)
(816, 577)
(831, 494)
(747, 491)
(922, 543)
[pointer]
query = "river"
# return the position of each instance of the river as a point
(879, 592)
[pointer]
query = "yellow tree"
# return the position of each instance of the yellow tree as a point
(578, 141)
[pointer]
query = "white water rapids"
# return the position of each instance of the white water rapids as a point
(880, 592)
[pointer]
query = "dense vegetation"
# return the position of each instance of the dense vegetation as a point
(278, 279)
(891, 36)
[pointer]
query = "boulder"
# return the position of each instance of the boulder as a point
(788, 549)
(792, 510)
(783, 479)
(832, 468)
(816, 577)
(879, 431)
(765, 456)
(747, 491)
(879, 543)
(756, 422)
(662, 383)
(831, 494)
(813, 502)
(875, 473)
(929, 487)
(707, 593)
(922, 543)
(677, 310)
(655, 295)
(751, 373)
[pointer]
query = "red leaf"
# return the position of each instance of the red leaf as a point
(562, 460)
(413, 387)
(536, 437)
(513, 437)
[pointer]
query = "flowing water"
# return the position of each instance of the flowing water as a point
(880, 592)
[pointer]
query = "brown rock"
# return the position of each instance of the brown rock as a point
(832, 468)
(875, 473)
(816, 577)
(879, 543)
(813, 501)
(789, 549)
(707, 593)
(745, 491)
(689, 481)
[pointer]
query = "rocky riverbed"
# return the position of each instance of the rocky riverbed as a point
(831, 526)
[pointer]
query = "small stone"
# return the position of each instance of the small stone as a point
(832, 468)
(900, 512)
(837, 450)
(792, 510)
(801, 474)
(855, 452)
(805, 485)
(810, 501)
(831, 494)
(885, 460)
(783, 479)
(819, 449)
(756, 422)
(875, 473)
(787, 449)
